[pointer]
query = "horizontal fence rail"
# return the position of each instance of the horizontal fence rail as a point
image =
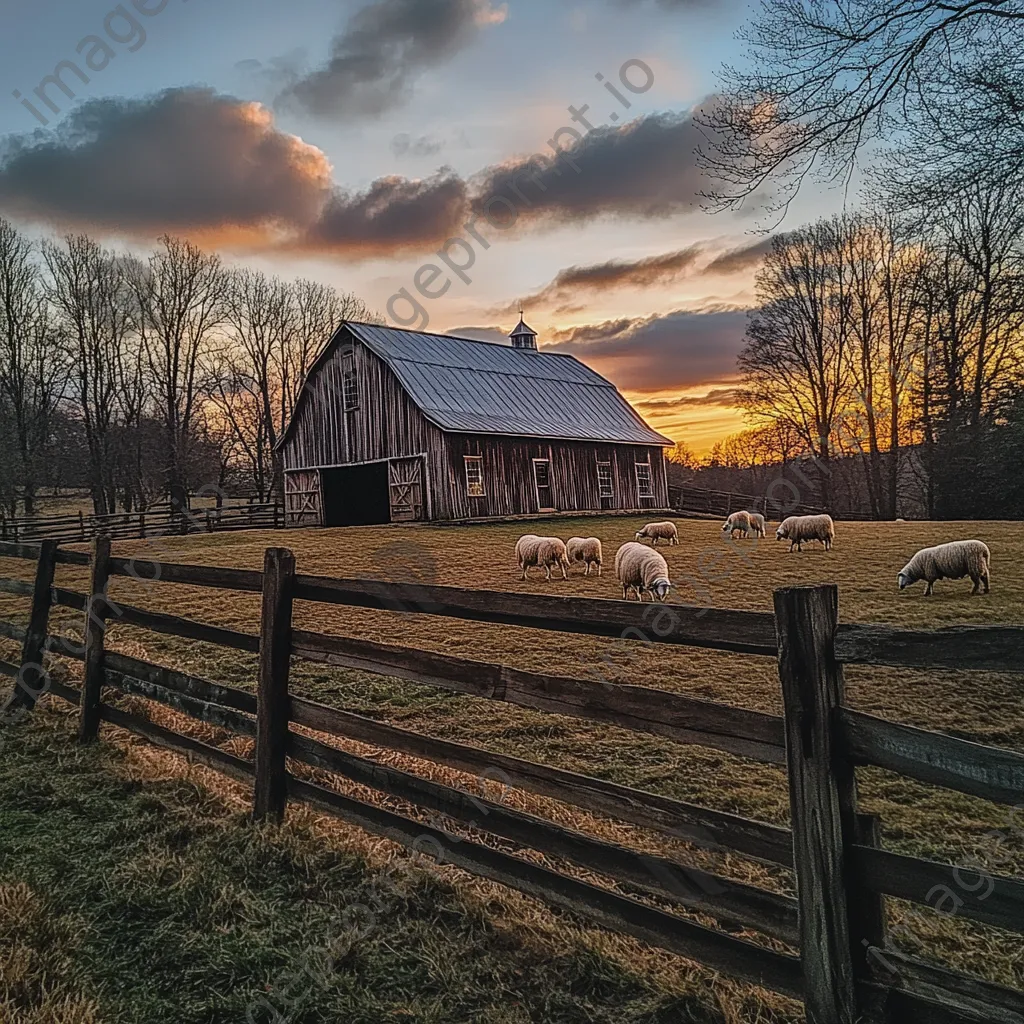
(714, 628)
(684, 719)
(846, 970)
(710, 501)
(991, 648)
(973, 768)
(155, 521)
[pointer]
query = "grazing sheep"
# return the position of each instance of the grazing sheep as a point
(643, 570)
(663, 531)
(541, 551)
(952, 561)
(758, 524)
(797, 529)
(584, 549)
(738, 522)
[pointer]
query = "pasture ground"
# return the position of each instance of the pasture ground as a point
(609, 977)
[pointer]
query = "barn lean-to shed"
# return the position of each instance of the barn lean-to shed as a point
(394, 425)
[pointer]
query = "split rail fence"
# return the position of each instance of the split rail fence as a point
(723, 503)
(842, 966)
(159, 520)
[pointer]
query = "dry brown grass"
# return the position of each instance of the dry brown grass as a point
(864, 562)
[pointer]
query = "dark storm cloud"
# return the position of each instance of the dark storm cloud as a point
(186, 158)
(683, 349)
(569, 283)
(382, 48)
(743, 258)
(646, 169)
(723, 397)
(192, 159)
(189, 159)
(392, 215)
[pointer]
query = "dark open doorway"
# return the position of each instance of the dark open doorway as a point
(356, 495)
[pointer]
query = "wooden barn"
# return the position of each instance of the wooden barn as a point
(395, 425)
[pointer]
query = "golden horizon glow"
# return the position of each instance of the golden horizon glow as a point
(699, 426)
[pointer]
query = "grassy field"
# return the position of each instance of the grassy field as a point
(624, 981)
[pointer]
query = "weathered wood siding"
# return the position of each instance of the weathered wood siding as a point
(385, 425)
(302, 499)
(507, 466)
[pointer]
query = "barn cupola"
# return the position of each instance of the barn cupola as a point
(523, 336)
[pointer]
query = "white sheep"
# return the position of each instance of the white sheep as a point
(585, 549)
(541, 551)
(952, 561)
(643, 570)
(797, 529)
(758, 524)
(738, 523)
(659, 531)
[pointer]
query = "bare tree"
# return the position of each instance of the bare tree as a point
(89, 291)
(261, 317)
(238, 402)
(179, 300)
(32, 357)
(319, 310)
(823, 79)
(794, 363)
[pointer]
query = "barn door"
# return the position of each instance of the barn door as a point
(405, 485)
(302, 498)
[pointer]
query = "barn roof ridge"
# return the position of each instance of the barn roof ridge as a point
(462, 337)
(463, 389)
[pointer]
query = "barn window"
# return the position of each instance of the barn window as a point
(474, 476)
(643, 480)
(350, 382)
(604, 480)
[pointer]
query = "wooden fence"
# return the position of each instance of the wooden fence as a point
(722, 503)
(160, 520)
(841, 964)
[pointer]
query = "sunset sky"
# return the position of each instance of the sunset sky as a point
(351, 141)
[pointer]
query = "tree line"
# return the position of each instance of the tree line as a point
(885, 354)
(141, 378)
(890, 338)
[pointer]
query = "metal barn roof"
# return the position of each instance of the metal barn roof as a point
(484, 388)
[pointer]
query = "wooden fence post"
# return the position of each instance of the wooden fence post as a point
(273, 708)
(29, 685)
(96, 610)
(822, 797)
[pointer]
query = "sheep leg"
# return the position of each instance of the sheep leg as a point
(928, 588)
(984, 580)
(547, 572)
(598, 568)
(525, 567)
(565, 575)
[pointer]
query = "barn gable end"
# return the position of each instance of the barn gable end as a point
(396, 425)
